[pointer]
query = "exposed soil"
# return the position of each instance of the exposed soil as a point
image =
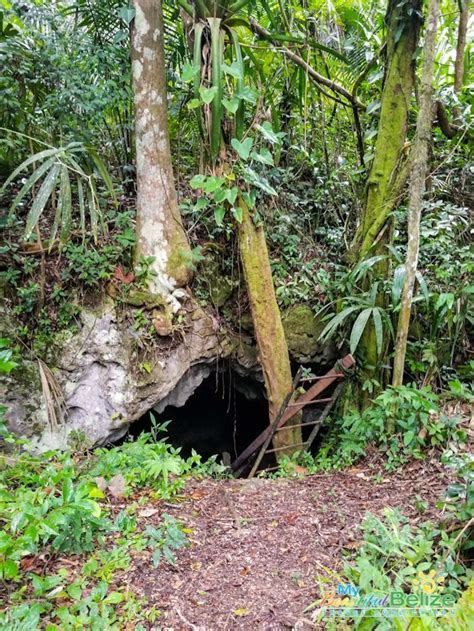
(257, 546)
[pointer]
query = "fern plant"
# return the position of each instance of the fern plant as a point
(60, 173)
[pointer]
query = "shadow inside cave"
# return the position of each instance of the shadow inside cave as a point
(224, 414)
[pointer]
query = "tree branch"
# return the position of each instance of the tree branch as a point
(448, 129)
(299, 61)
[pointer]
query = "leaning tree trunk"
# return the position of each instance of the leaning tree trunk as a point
(269, 334)
(160, 232)
(388, 170)
(419, 167)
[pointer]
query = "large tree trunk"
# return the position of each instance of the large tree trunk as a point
(388, 170)
(461, 45)
(271, 342)
(159, 227)
(383, 182)
(417, 190)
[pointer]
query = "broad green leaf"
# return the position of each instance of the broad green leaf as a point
(120, 36)
(397, 284)
(36, 158)
(103, 172)
(219, 213)
(264, 156)
(378, 329)
(9, 569)
(64, 202)
(240, 114)
(68, 491)
(208, 94)
(231, 105)
(238, 214)
(358, 328)
(217, 52)
(408, 437)
(213, 183)
(336, 321)
(423, 286)
(233, 70)
(93, 211)
(249, 199)
(267, 132)
(127, 14)
(373, 107)
(243, 148)
(260, 181)
(114, 598)
(362, 267)
(82, 212)
(232, 195)
(201, 203)
(189, 72)
(41, 199)
(198, 181)
(193, 104)
(74, 590)
(247, 94)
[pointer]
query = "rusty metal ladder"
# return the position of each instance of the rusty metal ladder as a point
(289, 410)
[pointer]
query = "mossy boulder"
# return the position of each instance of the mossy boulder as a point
(302, 330)
(219, 286)
(142, 298)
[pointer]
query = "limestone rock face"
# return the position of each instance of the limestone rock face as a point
(110, 378)
(302, 330)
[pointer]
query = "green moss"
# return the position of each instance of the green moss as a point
(179, 267)
(268, 328)
(143, 298)
(219, 286)
(388, 163)
(302, 329)
(179, 264)
(245, 322)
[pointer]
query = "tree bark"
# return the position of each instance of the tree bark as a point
(461, 45)
(160, 232)
(383, 182)
(417, 190)
(388, 170)
(269, 334)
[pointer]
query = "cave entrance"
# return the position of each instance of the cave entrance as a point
(223, 414)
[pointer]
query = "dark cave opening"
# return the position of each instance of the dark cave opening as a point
(224, 414)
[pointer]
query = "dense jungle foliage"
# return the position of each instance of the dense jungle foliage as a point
(261, 159)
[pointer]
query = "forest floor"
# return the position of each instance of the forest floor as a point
(260, 549)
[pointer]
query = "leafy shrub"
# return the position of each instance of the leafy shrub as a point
(144, 463)
(395, 556)
(163, 540)
(6, 356)
(51, 504)
(34, 516)
(412, 414)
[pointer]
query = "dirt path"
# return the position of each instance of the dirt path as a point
(257, 546)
